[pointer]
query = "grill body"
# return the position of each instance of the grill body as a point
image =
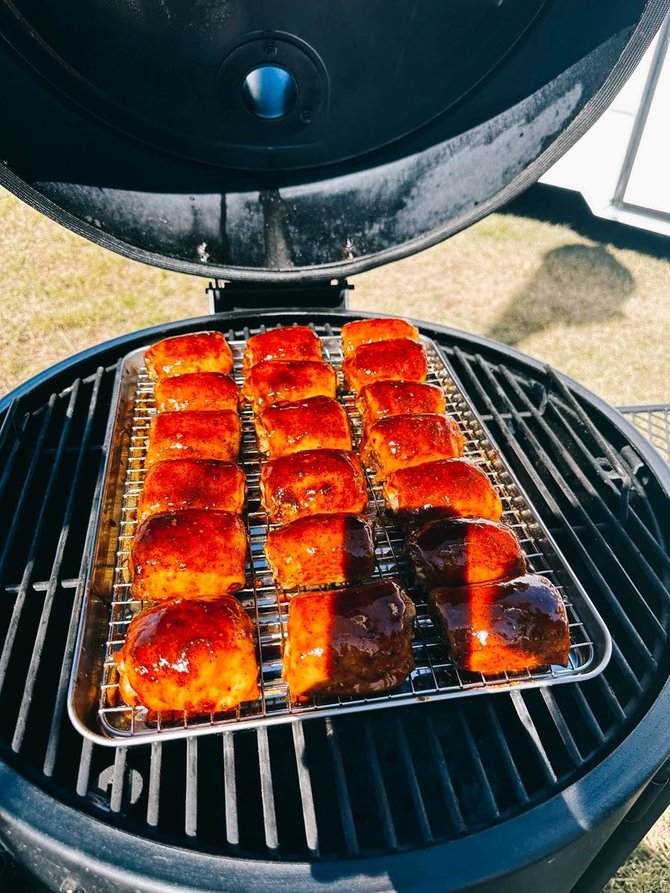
(501, 791)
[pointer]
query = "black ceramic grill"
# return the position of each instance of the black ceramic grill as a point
(338, 798)
(286, 146)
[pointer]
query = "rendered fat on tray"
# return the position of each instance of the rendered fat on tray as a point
(404, 441)
(274, 381)
(396, 360)
(321, 549)
(351, 641)
(505, 626)
(177, 484)
(316, 423)
(190, 554)
(368, 331)
(190, 656)
(194, 434)
(197, 390)
(199, 352)
(313, 482)
(446, 488)
(287, 343)
(390, 398)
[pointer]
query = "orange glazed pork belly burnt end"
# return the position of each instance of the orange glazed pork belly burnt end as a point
(200, 352)
(321, 549)
(273, 382)
(349, 642)
(313, 482)
(454, 488)
(189, 655)
(178, 484)
(389, 398)
(314, 424)
(506, 626)
(368, 331)
(196, 390)
(398, 360)
(290, 343)
(194, 434)
(405, 440)
(466, 550)
(190, 554)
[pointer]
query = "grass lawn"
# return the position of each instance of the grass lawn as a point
(583, 297)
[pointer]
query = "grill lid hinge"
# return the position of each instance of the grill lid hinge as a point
(327, 295)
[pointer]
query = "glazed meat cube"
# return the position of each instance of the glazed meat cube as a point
(189, 655)
(317, 423)
(178, 484)
(313, 482)
(200, 352)
(274, 381)
(406, 440)
(455, 488)
(389, 398)
(194, 434)
(503, 627)
(367, 331)
(290, 343)
(189, 554)
(397, 360)
(197, 390)
(321, 549)
(349, 642)
(466, 550)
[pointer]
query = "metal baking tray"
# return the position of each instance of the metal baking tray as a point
(108, 607)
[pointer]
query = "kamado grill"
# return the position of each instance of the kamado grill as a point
(283, 148)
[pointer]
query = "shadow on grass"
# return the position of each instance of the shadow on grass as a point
(576, 284)
(567, 208)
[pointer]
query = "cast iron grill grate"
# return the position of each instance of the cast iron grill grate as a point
(348, 786)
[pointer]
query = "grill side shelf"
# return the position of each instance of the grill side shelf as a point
(108, 607)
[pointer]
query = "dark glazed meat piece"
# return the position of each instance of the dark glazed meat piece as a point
(289, 343)
(455, 552)
(313, 482)
(406, 440)
(349, 642)
(194, 434)
(455, 488)
(190, 554)
(199, 352)
(315, 424)
(189, 655)
(196, 390)
(384, 399)
(321, 549)
(287, 382)
(179, 484)
(368, 331)
(398, 360)
(502, 627)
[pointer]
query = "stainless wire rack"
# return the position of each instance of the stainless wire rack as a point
(434, 676)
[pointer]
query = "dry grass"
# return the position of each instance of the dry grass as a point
(648, 868)
(595, 311)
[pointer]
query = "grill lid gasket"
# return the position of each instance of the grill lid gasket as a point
(107, 610)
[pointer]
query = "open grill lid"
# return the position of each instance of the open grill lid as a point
(269, 141)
